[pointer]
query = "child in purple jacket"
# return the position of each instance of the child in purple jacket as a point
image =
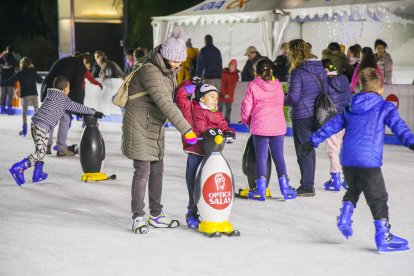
(262, 111)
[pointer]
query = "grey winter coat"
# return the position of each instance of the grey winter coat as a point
(385, 65)
(143, 132)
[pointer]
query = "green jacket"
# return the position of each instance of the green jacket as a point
(143, 132)
(339, 60)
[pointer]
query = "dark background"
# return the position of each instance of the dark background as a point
(31, 27)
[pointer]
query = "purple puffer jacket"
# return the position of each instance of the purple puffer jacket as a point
(304, 87)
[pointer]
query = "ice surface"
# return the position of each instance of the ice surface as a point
(66, 227)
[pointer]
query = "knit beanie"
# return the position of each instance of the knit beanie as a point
(174, 48)
(233, 62)
(204, 90)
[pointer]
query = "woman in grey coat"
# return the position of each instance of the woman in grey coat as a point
(384, 60)
(143, 132)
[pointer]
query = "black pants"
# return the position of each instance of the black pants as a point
(371, 183)
(193, 162)
(302, 130)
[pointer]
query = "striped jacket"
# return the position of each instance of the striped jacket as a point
(54, 106)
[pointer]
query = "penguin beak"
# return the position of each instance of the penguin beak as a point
(218, 139)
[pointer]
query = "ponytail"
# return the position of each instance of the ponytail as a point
(263, 69)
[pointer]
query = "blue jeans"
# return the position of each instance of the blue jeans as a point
(193, 162)
(261, 145)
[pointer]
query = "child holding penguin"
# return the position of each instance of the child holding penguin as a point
(202, 114)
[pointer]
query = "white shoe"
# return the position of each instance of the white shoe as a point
(162, 221)
(139, 226)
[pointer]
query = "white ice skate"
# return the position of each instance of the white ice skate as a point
(162, 221)
(139, 226)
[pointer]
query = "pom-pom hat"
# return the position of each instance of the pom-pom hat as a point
(204, 90)
(174, 48)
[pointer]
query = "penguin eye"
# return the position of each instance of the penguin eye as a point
(212, 132)
(220, 132)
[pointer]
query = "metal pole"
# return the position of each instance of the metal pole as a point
(125, 34)
(72, 23)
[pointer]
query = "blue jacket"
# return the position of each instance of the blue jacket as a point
(209, 63)
(304, 87)
(364, 121)
(338, 90)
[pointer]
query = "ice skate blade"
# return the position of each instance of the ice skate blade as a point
(141, 230)
(14, 177)
(212, 235)
(392, 250)
(235, 233)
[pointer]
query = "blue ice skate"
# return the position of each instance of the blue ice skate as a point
(38, 174)
(345, 219)
(287, 191)
(23, 132)
(17, 171)
(334, 184)
(387, 242)
(192, 219)
(259, 193)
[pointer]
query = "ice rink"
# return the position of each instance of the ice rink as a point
(63, 226)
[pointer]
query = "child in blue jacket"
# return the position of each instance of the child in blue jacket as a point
(364, 121)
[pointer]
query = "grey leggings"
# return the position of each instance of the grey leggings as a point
(151, 173)
(26, 101)
(40, 137)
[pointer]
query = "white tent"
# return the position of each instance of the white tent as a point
(235, 24)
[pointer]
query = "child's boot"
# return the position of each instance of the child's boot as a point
(259, 193)
(38, 174)
(345, 219)
(387, 242)
(23, 132)
(334, 184)
(287, 191)
(17, 171)
(192, 219)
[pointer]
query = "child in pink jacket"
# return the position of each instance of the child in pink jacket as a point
(262, 111)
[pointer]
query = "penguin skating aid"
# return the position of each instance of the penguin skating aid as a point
(92, 151)
(214, 189)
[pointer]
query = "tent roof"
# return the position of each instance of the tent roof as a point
(253, 11)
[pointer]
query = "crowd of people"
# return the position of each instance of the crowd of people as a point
(155, 97)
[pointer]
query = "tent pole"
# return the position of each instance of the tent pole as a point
(301, 29)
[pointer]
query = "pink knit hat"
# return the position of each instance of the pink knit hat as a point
(174, 47)
(233, 62)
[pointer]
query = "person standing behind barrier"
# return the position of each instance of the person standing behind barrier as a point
(96, 69)
(338, 90)
(152, 89)
(354, 58)
(303, 89)
(229, 79)
(189, 66)
(209, 63)
(139, 58)
(368, 60)
(28, 77)
(73, 68)
(109, 69)
(281, 64)
(384, 60)
(8, 66)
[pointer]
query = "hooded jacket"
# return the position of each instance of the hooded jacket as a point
(143, 131)
(338, 90)
(304, 87)
(228, 85)
(364, 122)
(339, 60)
(199, 118)
(262, 108)
(209, 63)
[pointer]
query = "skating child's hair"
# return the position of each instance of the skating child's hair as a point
(60, 83)
(264, 69)
(25, 63)
(368, 58)
(370, 80)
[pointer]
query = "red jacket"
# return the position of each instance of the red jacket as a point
(228, 85)
(89, 77)
(200, 119)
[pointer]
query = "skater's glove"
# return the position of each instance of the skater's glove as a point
(98, 115)
(230, 137)
(411, 147)
(306, 148)
(196, 80)
(191, 88)
(190, 138)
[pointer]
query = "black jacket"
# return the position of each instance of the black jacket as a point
(209, 63)
(74, 70)
(8, 66)
(247, 73)
(281, 67)
(27, 79)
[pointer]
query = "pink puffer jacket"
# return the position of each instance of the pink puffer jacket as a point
(262, 108)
